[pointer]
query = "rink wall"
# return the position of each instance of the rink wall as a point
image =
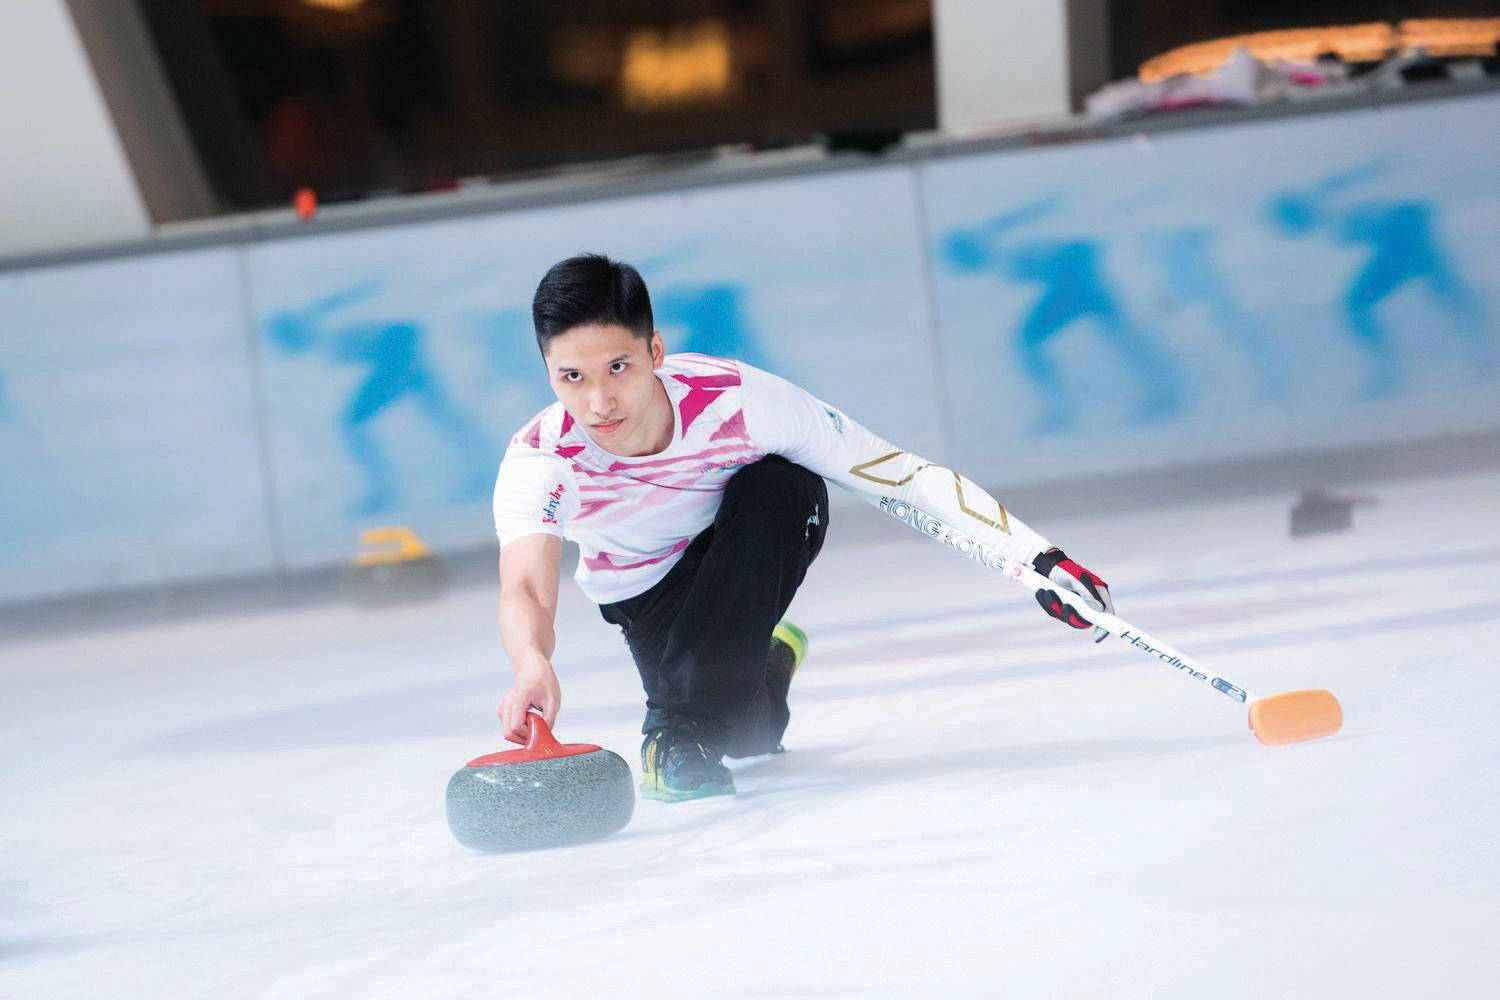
(1029, 315)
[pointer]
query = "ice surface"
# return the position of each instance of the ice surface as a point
(976, 800)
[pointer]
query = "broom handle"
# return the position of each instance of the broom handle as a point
(1122, 629)
(936, 527)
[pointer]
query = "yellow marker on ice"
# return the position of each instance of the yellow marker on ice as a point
(396, 545)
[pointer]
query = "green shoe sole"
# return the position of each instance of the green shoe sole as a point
(795, 638)
(651, 790)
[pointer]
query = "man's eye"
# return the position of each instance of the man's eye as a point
(571, 376)
(617, 367)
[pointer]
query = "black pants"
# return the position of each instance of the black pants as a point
(701, 635)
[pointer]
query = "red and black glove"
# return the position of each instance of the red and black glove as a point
(1055, 565)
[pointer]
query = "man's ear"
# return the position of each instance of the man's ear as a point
(658, 350)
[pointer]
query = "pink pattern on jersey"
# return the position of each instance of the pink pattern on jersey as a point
(600, 477)
(610, 512)
(531, 435)
(643, 501)
(703, 390)
(734, 427)
(587, 508)
(692, 477)
(624, 504)
(674, 460)
(605, 560)
(727, 457)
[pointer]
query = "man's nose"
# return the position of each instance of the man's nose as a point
(602, 403)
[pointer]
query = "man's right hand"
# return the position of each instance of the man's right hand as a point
(536, 687)
(1055, 565)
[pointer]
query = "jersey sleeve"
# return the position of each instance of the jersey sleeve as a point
(788, 421)
(535, 493)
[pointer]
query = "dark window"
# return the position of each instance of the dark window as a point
(352, 97)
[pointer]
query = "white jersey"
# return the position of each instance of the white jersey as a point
(632, 517)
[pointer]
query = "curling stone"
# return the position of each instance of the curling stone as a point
(394, 568)
(548, 794)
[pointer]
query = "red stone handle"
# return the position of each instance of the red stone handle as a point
(540, 741)
(540, 745)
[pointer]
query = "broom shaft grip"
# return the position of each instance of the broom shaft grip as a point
(1123, 630)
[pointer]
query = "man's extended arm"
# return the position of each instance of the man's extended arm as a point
(934, 500)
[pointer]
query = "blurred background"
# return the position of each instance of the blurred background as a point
(268, 262)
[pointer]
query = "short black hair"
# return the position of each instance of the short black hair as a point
(590, 288)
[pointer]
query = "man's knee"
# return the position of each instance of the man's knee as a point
(774, 498)
(774, 476)
(775, 487)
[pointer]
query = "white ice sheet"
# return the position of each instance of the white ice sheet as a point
(976, 800)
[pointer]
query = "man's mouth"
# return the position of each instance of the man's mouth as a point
(608, 427)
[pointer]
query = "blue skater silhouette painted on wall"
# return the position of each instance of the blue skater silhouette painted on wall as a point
(513, 359)
(694, 317)
(713, 317)
(1187, 259)
(12, 416)
(1073, 288)
(398, 369)
(1404, 248)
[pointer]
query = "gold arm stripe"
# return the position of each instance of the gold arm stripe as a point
(1002, 525)
(859, 470)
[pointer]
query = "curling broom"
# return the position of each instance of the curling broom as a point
(1291, 717)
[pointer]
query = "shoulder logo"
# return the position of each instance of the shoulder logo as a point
(838, 420)
(554, 500)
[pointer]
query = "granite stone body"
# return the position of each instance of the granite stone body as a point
(541, 803)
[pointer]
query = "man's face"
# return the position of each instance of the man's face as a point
(602, 375)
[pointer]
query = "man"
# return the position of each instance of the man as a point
(693, 486)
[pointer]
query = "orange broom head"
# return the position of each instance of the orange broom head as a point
(1295, 717)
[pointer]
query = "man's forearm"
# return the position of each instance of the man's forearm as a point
(527, 628)
(915, 491)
